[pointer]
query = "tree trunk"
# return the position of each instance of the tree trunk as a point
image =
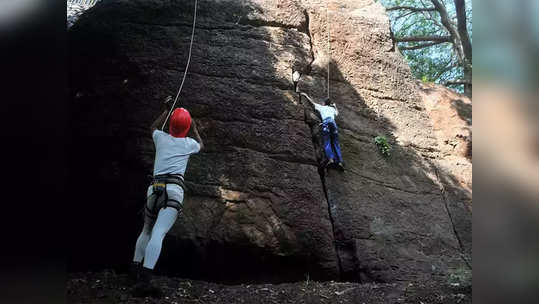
(468, 77)
(460, 7)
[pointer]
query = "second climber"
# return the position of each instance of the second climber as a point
(330, 133)
(165, 195)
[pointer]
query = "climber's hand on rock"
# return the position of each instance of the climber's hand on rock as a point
(167, 103)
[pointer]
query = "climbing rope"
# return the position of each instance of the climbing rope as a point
(329, 50)
(186, 67)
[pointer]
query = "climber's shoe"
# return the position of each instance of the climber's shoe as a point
(135, 270)
(145, 288)
(340, 166)
(329, 163)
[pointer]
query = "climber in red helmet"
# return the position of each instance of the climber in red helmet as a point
(165, 195)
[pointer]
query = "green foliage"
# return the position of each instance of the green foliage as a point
(438, 63)
(382, 144)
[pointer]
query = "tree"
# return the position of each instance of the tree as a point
(435, 37)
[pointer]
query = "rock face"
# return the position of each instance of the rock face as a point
(392, 218)
(257, 207)
(451, 116)
(76, 8)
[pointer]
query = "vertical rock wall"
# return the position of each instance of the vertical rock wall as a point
(257, 208)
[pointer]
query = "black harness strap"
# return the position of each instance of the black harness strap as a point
(150, 213)
(159, 198)
(174, 204)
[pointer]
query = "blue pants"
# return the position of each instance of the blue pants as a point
(330, 135)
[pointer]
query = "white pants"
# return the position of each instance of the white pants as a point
(150, 240)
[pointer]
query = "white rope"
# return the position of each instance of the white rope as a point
(329, 50)
(186, 67)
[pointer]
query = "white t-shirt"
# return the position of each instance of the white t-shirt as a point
(326, 111)
(172, 153)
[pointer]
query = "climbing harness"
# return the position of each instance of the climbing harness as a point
(186, 67)
(159, 198)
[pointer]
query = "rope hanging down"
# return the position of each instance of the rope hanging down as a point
(186, 67)
(329, 50)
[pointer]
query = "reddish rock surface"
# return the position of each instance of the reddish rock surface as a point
(451, 117)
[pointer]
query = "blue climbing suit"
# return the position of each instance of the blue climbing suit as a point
(330, 135)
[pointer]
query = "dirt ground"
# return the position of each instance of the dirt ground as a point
(110, 287)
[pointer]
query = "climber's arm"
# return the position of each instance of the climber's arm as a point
(315, 105)
(336, 110)
(311, 103)
(196, 135)
(159, 121)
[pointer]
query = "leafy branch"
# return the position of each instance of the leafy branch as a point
(435, 37)
(383, 145)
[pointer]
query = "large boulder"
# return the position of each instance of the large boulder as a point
(392, 218)
(257, 207)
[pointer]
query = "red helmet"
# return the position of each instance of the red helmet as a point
(180, 122)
